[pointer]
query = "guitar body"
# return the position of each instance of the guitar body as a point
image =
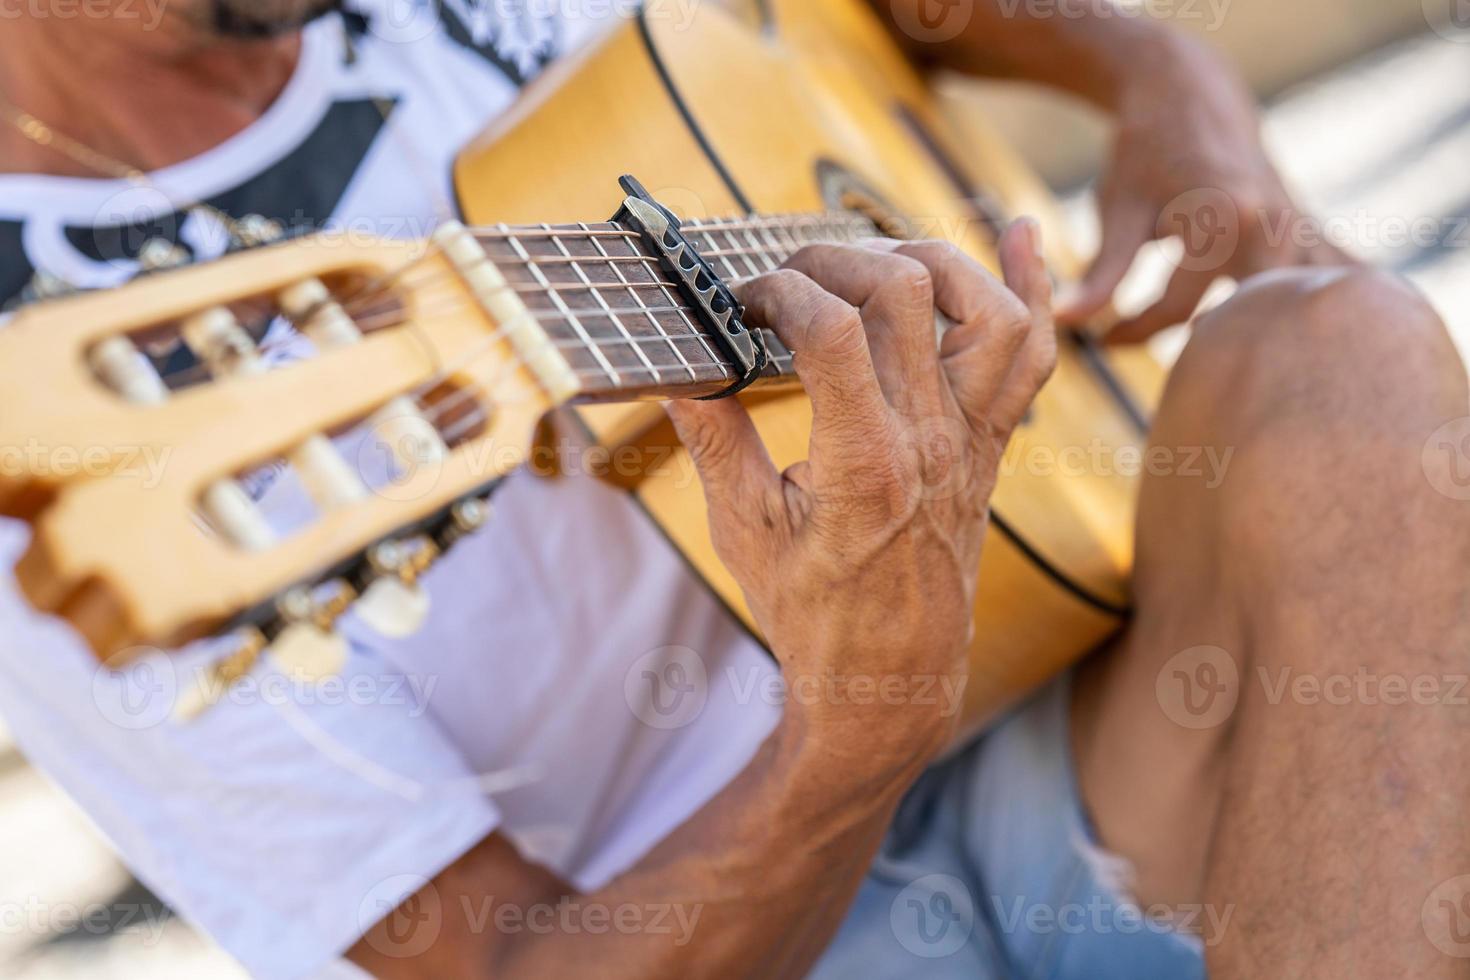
(719, 114)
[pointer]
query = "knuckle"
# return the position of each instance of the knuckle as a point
(835, 326)
(1013, 323)
(909, 281)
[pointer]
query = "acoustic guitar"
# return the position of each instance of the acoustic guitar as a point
(797, 120)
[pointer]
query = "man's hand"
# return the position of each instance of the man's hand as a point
(861, 562)
(1188, 159)
(1188, 162)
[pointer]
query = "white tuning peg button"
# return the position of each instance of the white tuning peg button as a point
(307, 652)
(393, 608)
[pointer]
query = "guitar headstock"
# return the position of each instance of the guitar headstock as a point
(135, 479)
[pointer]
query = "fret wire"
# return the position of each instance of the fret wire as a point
(394, 318)
(709, 239)
(555, 297)
(694, 331)
(603, 303)
(785, 233)
(490, 231)
(572, 260)
(730, 239)
(653, 319)
(772, 263)
(770, 239)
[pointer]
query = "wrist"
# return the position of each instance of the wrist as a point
(870, 735)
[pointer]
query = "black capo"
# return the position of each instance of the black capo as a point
(717, 308)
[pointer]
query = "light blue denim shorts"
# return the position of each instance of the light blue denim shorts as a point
(992, 870)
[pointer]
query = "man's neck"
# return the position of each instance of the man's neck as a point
(147, 96)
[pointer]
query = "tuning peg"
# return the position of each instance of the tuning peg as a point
(254, 230)
(395, 604)
(393, 608)
(160, 254)
(44, 286)
(213, 683)
(309, 647)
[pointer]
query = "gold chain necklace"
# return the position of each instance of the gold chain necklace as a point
(251, 230)
(39, 132)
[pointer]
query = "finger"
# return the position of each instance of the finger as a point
(831, 358)
(1126, 229)
(1181, 298)
(727, 451)
(990, 324)
(1023, 264)
(895, 296)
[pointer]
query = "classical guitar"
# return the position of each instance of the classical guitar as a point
(801, 122)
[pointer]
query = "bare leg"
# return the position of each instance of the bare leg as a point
(1247, 744)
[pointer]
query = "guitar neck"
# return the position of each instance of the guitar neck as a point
(622, 322)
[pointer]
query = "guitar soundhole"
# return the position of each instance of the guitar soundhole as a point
(842, 190)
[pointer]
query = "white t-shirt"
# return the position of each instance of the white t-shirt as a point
(575, 688)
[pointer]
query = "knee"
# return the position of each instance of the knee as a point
(1343, 339)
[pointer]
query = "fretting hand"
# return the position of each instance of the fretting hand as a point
(861, 562)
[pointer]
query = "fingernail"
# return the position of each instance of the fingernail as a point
(1033, 228)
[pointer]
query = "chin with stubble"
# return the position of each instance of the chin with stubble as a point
(257, 18)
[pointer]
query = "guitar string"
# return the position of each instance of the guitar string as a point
(772, 254)
(440, 409)
(839, 228)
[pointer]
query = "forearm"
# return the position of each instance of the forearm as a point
(757, 882)
(1084, 47)
(760, 879)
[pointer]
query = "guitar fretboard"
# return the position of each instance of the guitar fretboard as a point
(621, 321)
